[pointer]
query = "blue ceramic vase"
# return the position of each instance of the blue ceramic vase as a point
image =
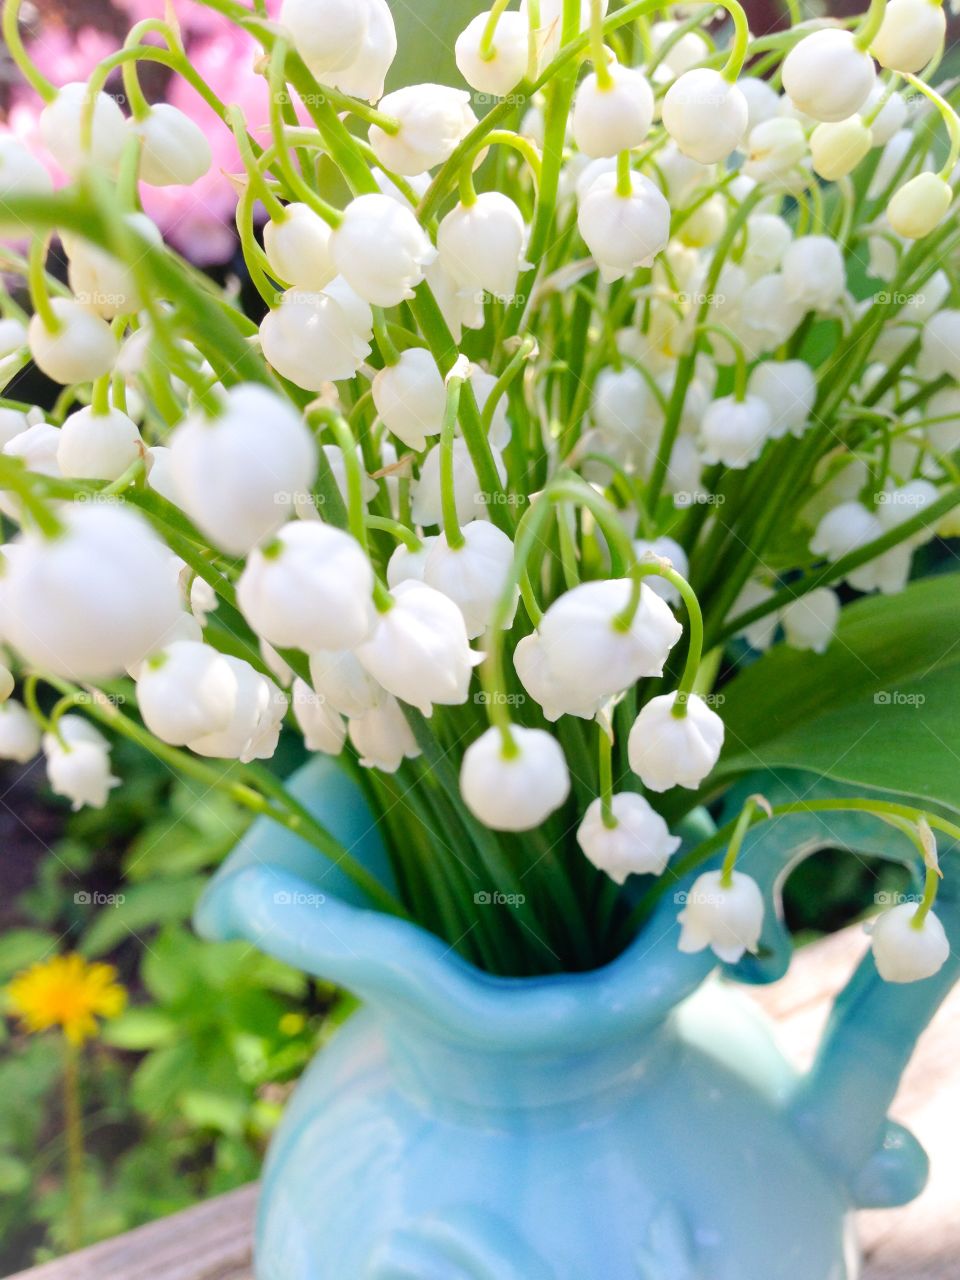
(632, 1123)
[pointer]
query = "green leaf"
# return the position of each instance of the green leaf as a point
(144, 907)
(877, 710)
(21, 948)
(140, 1029)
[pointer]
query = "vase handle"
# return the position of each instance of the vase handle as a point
(840, 1107)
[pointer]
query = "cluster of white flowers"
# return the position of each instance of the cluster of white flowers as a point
(654, 287)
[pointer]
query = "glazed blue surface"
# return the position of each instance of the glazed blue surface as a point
(632, 1123)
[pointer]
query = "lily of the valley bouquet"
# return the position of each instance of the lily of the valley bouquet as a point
(576, 384)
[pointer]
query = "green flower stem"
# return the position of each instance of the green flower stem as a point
(741, 40)
(278, 94)
(100, 402)
(739, 356)
(950, 119)
(736, 840)
(526, 349)
(15, 477)
(448, 500)
(516, 142)
(385, 344)
(487, 49)
(139, 106)
(605, 771)
(870, 25)
(323, 416)
(11, 38)
(37, 281)
(931, 886)
(401, 532)
(598, 50)
(831, 573)
(73, 1125)
(624, 176)
(255, 178)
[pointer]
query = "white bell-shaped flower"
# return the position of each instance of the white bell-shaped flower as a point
(891, 117)
(432, 118)
(837, 147)
(620, 402)
(408, 563)
(481, 245)
(21, 174)
(776, 150)
(789, 390)
(298, 248)
(19, 734)
(810, 621)
(940, 345)
(13, 423)
(623, 232)
(81, 348)
(615, 117)
(13, 335)
(727, 918)
(309, 587)
(904, 953)
(239, 474)
(256, 717)
(186, 690)
(101, 282)
(556, 698)
(174, 150)
(734, 432)
(382, 737)
(380, 249)
(473, 575)
(759, 635)
(763, 101)
(826, 76)
(364, 76)
(663, 548)
(705, 115)
(94, 601)
(814, 272)
(768, 238)
(60, 129)
(587, 648)
(843, 529)
(338, 676)
(98, 446)
(78, 763)
(897, 505)
(911, 34)
(315, 338)
(327, 34)
(666, 750)
(920, 205)
(767, 316)
(410, 397)
(37, 448)
(419, 651)
(322, 728)
(338, 469)
(469, 497)
(678, 54)
(506, 64)
(639, 844)
(518, 789)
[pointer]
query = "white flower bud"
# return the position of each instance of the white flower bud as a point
(433, 120)
(101, 282)
(21, 174)
(364, 76)
(338, 677)
(587, 650)
(767, 316)
(481, 245)
(239, 474)
(613, 118)
(308, 588)
(763, 101)
(78, 763)
(838, 147)
(410, 397)
(904, 953)
(473, 576)
(845, 528)
(663, 548)
(727, 918)
(469, 497)
(705, 115)
(666, 750)
(175, 150)
(911, 34)
(814, 272)
(556, 698)
(514, 790)
(620, 401)
(81, 349)
(338, 468)
(98, 446)
(775, 151)
(940, 345)
(13, 337)
(623, 232)
(327, 34)
(419, 650)
(298, 248)
(315, 338)
(60, 129)
(93, 601)
(322, 728)
(758, 635)
(380, 249)
(407, 564)
(921, 204)
(706, 224)
(734, 431)
(382, 737)
(507, 63)
(826, 76)
(37, 446)
(789, 390)
(19, 734)
(639, 844)
(256, 717)
(682, 55)
(185, 691)
(899, 505)
(891, 117)
(810, 622)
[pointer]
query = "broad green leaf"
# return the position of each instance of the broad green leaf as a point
(139, 1029)
(21, 948)
(144, 907)
(878, 710)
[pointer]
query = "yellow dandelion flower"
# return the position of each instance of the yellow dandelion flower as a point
(66, 992)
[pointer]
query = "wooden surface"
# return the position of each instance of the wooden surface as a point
(920, 1242)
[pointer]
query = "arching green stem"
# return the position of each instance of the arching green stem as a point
(867, 31)
(950, 119)
(11, 38)
(448, 497)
